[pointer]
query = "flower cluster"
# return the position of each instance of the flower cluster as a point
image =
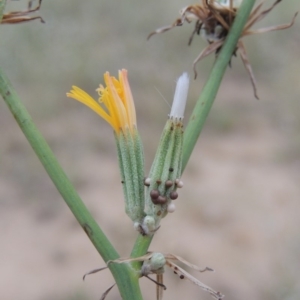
(145, 207)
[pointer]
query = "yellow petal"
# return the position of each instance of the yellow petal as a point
(115, 104)
(83, 97)
(128, 99)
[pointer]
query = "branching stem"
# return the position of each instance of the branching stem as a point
(126, 277)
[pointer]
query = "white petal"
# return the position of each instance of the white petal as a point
(180, 96)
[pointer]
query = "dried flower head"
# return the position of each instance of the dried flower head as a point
(213, 20)
(154, 263)
(15, 17)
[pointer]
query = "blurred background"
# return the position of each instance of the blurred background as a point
(239, 209)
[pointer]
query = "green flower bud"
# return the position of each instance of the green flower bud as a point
(115, 105)
(167, 165)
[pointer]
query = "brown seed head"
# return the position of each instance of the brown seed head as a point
(154, 194)
(168, 183)
(173, 195)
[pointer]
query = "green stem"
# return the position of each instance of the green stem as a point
(212, 85)
(126, 278)
(205, 101)
(140, 248)
(2, 7)
(141, 245)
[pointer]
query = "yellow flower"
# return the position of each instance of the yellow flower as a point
(115, 104)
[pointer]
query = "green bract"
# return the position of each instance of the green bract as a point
(131, 162)
(164, 175)
(166, 170)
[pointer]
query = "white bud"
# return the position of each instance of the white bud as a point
(179, 183)
(171, 207)
(147, 181)
(180, 97)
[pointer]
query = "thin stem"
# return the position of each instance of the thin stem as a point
(212, 85)
(2, 7)
(205, 102)
(140, 248)
(141, 245)
(126, 278)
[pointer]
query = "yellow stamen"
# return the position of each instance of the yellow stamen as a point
(115, 104)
